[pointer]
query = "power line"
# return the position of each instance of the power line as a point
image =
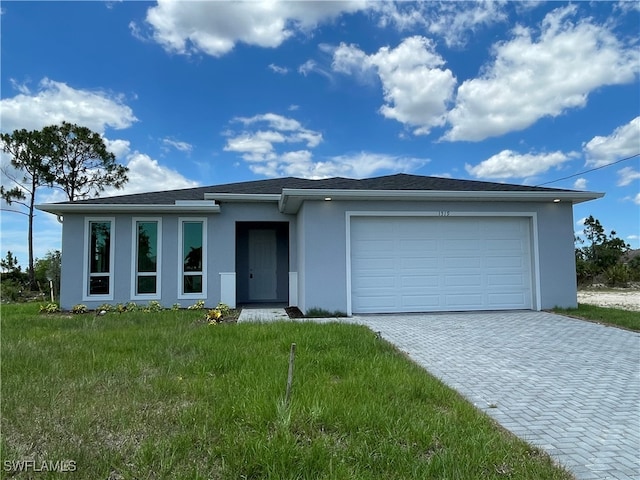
(590, 170)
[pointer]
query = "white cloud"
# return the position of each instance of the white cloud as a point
(636, 199)
(581, 221)
(178, 145)
(274, 145)
(537, 76)
(214, 28)
(451, 21)
(627, 175)
(54, 102)
(311, 66)
(120, 148)
(147, 175)
(623, 142)
(416, 90)
(580, 184)
(510, 164)
(275, 68)
(259, 145)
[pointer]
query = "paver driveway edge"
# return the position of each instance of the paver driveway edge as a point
(568, 386)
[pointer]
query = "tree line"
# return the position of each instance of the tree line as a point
(68, 157)
(604, 258)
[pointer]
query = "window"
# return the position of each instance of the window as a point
(192, 260)
(147, 240)
(98, 259)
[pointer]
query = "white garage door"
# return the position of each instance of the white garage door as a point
(419, 264)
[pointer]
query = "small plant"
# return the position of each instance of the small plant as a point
(121, 308)
(79, 308)
(105, 307)
(49, 308)
(213, 316)
(132, 307)
(199, 305)
(175, 307)
(153, 306)
(225, 309)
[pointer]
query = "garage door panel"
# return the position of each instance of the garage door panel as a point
(470, 261)
(438, 264)
(462, 280)
(463, 300)
(417, 245)
(504, 245)
(505, 280)
(417, 263)
(416, 303)
(419, 281)
(498, 299)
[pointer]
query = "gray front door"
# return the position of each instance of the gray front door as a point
(262, 265)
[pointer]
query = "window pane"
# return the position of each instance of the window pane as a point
(192, 246)
(147, 246)
(192, 284)
(98, 285)
(99, 248)
(146, 285)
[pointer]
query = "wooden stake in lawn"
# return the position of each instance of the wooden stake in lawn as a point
(292, 357)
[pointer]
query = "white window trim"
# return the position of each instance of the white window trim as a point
(85, 262)
(134, 260)
(192, 296)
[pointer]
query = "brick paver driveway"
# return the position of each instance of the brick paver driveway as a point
(567, 386)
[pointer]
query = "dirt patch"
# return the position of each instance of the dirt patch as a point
(627, 299)
(294, 312)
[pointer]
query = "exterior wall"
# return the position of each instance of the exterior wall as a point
(221, 248)
(323, 246)
(317, 250)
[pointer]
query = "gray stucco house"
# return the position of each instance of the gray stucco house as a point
(398, 243)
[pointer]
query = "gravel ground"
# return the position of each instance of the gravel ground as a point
(623, 299)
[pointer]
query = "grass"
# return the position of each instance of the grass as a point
(162, 396)
(608, 316)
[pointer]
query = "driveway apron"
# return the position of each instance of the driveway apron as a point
(568, 386)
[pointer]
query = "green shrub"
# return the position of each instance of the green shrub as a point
(49, 308)
(617, 275)
(106, 307)
(634, 269)
(132, 307)
(224, 309)
(199, 305)
(153, 306)
(79, 308)
(11, 290)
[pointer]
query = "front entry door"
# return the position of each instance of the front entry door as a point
(262, 265)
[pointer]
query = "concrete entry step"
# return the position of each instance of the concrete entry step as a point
(262, 315)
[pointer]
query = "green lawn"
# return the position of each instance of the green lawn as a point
(608, 316)
(159, 395)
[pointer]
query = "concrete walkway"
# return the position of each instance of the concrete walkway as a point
(568, 386)
(262, 315)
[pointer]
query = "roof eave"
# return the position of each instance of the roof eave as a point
(292, 198)
(99, 208)
(243, 197)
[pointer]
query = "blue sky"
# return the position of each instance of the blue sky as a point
(203, 93)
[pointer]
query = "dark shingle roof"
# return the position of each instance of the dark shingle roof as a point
(399, 181)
